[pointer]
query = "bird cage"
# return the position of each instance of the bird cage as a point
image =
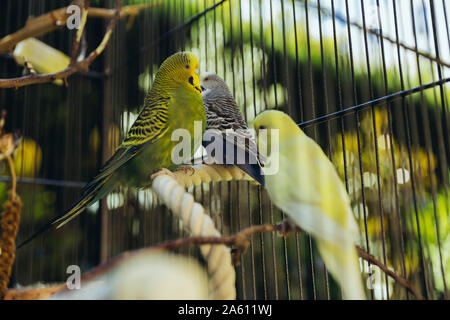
(367, 80)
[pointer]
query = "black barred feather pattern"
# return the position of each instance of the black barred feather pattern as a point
(223, 114)
(147, 131)
(150, 123)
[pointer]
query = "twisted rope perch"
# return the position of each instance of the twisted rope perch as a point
(167, 186)
(220, 268)
(193, 176)
(189, 176)
(170, 187)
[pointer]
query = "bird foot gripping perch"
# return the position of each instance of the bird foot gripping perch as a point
(163, 171)
(204, 173)
(287, 227)
(218, 257)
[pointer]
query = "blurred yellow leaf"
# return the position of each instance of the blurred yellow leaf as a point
(27, 158)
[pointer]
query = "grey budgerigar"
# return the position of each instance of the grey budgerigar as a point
(226, 125)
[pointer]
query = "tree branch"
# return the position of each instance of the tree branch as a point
(131, 10)
(241, 240)
(76, 42)
(35, 27)
(75, 66)
(56, 19)
(402, 281)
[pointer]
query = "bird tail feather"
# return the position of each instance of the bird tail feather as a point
(254, 171)
(345, 268)
(72, 213)
(91, 193)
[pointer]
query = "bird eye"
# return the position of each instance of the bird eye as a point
(187, 67)
(206, 79)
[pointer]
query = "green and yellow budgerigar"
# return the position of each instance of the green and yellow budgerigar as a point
(174, 102)
(308, 189)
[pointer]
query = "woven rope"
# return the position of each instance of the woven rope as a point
(193, 176)
(171, 191)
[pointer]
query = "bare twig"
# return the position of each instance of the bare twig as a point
(76, 41)
(242, 238)
(126, 11)
(57, 19)
(74, 67)
(402, 281)
(36, 27)
(239, 240)
(94, 54)
(43, 78)
(13, 176)
(83, 48)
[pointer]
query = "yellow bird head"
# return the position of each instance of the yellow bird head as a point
(180, 68)
(275, 120)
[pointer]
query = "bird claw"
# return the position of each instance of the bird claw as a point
(163, 171)
(240, 246)
(187, 170)
(235, 255)
(286, 227)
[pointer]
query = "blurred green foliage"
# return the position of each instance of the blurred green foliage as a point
(265, 68)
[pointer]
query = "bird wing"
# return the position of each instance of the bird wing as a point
(150, 125)
(311, 192)
(223, 114)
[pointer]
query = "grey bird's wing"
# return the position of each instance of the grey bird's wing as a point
(225, 121)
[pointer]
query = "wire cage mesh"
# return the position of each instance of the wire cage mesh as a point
(367, 80)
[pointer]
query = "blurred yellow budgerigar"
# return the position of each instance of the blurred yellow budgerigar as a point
(308, 189)
(43, 58)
